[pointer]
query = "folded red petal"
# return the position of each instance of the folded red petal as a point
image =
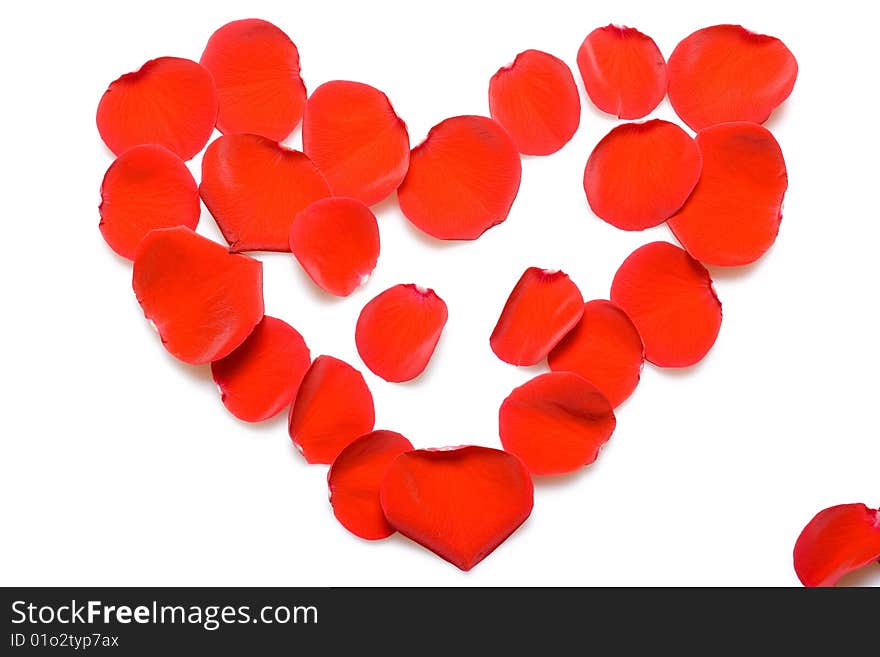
(462, 179)
(146, 187)
(641, 173)
(203, 300)
(354, 480)
(333, 406)
(255, 187)
(669, 297)
(256, 68)
(352, 134)
(733, 216)
(727, 73)
(260, 378)
(623, 71)
(398, 330)
(460, 503)
(169, 101)
(837, 541)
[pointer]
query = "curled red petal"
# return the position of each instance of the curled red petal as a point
(260, 378)
(354, 480)
(537, 102)
(169, 101)
(641, 173)
(837, 541)
(605, 348)
(254, 188)
(623, 71)
(256, 68)
(146, 187)
(353, 135)
(462, 179)
(398, 330)
(543, 306)
(203, 300)
(669, 297)
(727, 73)
(460, 503)
(336, 240)
(333, 406)
(733, 216)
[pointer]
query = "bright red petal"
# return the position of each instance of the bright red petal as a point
(733, 216)
(146, 187)
(462, 179)
(203, 300)
(354, 137)
(460, 503)
(260, 378)
(726, 73)
(256, 67)
(537, 102)
(255, 187)
(398, 330)
(641, 173)
(169, 101)
(669, 297)
(354, 480)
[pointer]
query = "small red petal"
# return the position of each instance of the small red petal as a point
(203, 300)
(837, 541)
(332, 407)
(669, 297)
(354, 137)
(543, 306)
(733, 216)
(256, 67)
(169, 101)
(623, 70)
(354, 480)
(146, 187)
(260, 378)
(641, 173)
(460, 503)
(605, 348)
(255, 187)
(398, 330)
(537, 102)
(726, 73)
(462, 179)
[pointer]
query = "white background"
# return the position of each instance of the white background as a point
(120, 466)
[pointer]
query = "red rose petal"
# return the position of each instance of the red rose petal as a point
(260, 378)
(351, 133)
(543, 306)
(726, 73)
(556, 423)
(354, 480)
(256, 67)
(460, 503)
(462, 179)
(605, 348)
(203, 300)
(837, 541)
(255, 187)
(623, 70)
(733, 216)
(332, 407)
(146, 187)
(537, 102)
(398, 330)
(669, 297)
(169, 101)
(641, 173)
